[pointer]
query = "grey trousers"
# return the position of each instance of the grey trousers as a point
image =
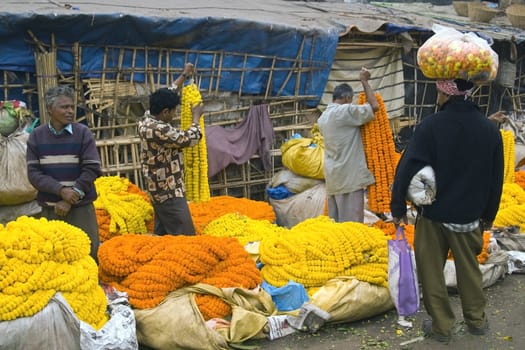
(83, 217)
(347, 206)
(173, 217)
(432, 241)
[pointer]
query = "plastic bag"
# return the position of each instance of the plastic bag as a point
(402, 275)
(422, 187)
(450, 54)
(305, 156)
(288, 297)
(348, 299)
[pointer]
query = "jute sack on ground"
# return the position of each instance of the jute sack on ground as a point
(177, 322)
(492, 270)
(347, 299)
(14, 187)
(299, 207)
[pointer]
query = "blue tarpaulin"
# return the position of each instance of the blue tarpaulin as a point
(202, 37)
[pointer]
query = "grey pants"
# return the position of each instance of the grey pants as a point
(432, 241)
(173, 217)
(83, 217)
(347, 206)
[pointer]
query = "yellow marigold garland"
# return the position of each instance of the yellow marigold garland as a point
(121, 207)
(509, 155)
(195, 158)
(512, 207)
(148, 268)
(39, 258)
(203, 213)
(319, 249)
(243, 228)
(381, 156)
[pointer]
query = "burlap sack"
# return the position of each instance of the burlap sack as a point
(347, 299)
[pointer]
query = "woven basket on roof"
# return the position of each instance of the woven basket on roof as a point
(479, 12)
(461, 7)
(516, 15)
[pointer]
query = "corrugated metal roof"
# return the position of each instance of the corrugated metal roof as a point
(325, 16)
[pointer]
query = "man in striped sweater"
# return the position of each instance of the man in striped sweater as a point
(63, 163)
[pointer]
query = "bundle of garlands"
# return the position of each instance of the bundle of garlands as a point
(243, 228)
(511, 210)
(381, 156)
(148, 268)
(121, 208)
(195, 158)
(203, 213)
(39, 258)
(319, 249)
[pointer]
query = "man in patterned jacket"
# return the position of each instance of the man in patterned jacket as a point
(161, 157)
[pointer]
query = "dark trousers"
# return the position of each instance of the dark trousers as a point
(173, 217)
(83, 217)
(431, 244)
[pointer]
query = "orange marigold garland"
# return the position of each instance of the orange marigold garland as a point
(390, 230)
(519, 178)
(381, 156)
(203, 213)
(148, 268)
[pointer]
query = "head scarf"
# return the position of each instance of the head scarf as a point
(450, 88)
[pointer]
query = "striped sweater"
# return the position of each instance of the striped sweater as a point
(55, 161)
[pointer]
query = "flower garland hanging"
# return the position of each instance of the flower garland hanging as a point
(203, 213)
(39, 258)
(381, 156)
(121, 208)
(319, 249)
(509, 155)
(195, 158)
(148, 268)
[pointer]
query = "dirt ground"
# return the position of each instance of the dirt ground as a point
(505, 309)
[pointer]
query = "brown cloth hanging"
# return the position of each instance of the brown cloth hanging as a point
(254, 135)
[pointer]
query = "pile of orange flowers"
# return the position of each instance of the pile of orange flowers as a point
(519, 178)
(148, 268)
(381, 156)
(203, 213)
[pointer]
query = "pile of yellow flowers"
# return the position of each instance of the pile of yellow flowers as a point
(509, 155)
(124, 205)
(512, 207)
(195, 158)
(381, 156)
(203, 213)
(319, 249)
(243, 228)
(39, 258)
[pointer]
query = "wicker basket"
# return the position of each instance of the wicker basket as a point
(516, 15)
(461, 8)
(478, 12)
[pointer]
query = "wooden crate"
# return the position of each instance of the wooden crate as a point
(121, 157)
